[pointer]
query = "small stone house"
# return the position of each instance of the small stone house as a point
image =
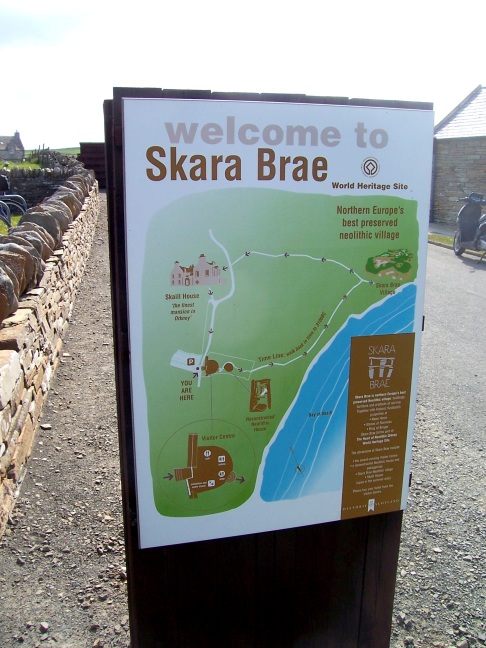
(11, 148)
(459, 156)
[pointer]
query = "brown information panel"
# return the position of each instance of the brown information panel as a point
(377, 423)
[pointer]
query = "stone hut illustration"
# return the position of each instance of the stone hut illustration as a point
(202, 273)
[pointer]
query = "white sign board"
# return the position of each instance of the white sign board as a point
(276, 266)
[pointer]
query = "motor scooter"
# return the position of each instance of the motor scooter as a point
(471, 226)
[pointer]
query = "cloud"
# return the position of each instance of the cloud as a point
(36, 24)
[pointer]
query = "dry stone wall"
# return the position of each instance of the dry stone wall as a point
(34, 188)
(37, 184)
(31, 341)
(34, 184)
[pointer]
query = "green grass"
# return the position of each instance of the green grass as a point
(3, 226)
(441, 239)
(73, 152)
(28, 164)
(31, 158)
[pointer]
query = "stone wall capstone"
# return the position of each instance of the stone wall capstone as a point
(31, 340)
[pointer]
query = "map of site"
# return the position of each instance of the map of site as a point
(250, 300)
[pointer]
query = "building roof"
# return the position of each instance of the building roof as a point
(468, 119)
(14, 141)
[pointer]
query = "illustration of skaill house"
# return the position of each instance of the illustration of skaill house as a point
(203, 273)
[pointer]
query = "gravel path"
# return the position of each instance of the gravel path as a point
(62, 573)
(62, 562)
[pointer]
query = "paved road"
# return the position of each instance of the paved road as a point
(453, 367)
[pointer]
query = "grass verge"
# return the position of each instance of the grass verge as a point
(441, 239)
(14, 221)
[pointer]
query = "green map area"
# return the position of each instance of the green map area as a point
(242, 288)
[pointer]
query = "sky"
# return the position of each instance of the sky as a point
(60, 60)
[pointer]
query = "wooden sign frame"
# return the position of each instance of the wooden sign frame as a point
(320, 585)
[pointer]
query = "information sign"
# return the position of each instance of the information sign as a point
(275, 260)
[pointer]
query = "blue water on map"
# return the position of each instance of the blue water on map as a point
(307, 455)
